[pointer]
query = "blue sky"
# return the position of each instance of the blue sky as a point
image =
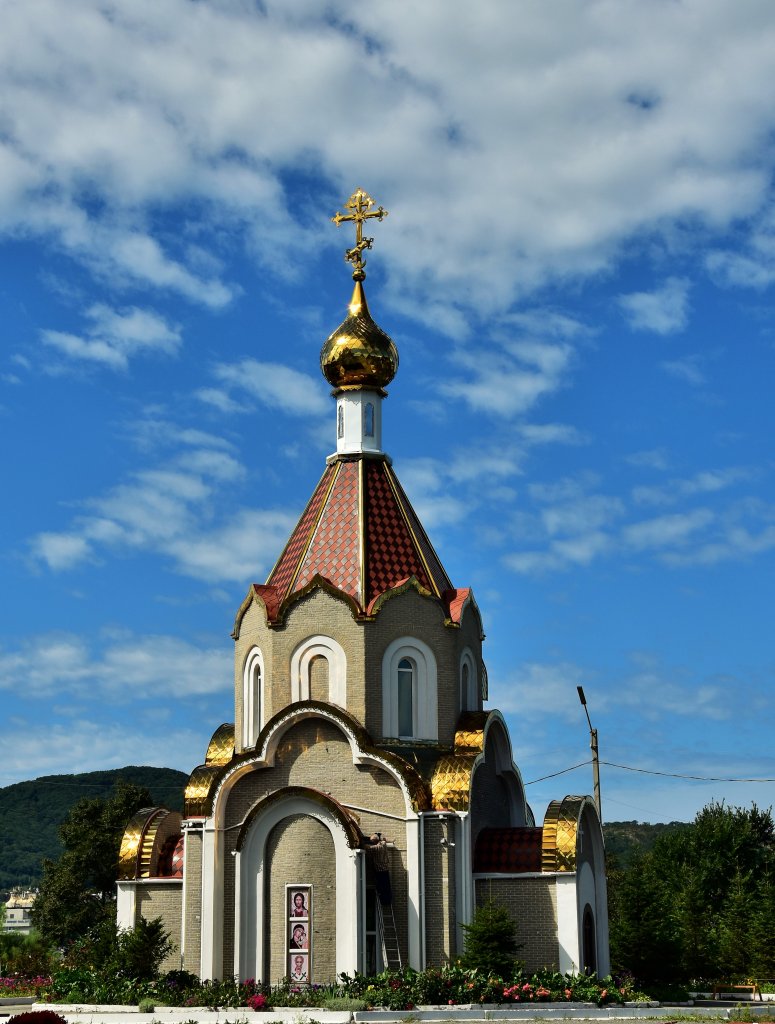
(577, 268)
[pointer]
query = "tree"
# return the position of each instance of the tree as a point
(699, 904)
(78, 890)
(491, 940)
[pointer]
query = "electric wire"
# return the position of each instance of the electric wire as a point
(646, 771)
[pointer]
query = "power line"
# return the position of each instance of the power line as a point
(645, 771)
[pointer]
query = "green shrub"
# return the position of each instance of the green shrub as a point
(344, 1003)
(146, 1005)
(491, 940)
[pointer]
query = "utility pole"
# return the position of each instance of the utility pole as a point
(595, 753)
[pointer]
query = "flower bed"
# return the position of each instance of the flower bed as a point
(396, 990)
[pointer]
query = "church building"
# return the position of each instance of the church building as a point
(364, 801)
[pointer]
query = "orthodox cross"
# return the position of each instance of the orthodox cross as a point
(360, 203)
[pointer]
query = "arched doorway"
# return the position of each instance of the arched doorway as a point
(589, 962)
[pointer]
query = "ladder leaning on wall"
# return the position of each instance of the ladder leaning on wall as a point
(391, 954)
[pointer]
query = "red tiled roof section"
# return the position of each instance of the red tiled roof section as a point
(342, 528)
(508, 851)
(282, 575)
(335, 548)
(396, 544)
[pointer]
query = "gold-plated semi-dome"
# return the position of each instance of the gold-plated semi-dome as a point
(359, 353)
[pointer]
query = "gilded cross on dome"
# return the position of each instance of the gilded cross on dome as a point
(360, 203)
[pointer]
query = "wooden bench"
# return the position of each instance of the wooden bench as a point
(749, 985)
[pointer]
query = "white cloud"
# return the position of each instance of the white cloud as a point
(117, 114)
(509, 384)
(754, 265)
(168, 509)
(708, 481)
(118, 667)
(664, 311)
(32, 750)
(666, 531)
(686, 369)
(275, 385)
(115, 336)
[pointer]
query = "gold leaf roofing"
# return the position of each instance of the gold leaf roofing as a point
(359, 353)
(560, 834)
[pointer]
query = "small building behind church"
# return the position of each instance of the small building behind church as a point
(364, 801)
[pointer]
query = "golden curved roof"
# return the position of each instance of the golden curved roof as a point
(451, 778)
(139, 848)
(560, 834)
(359, 353)
(204, 779)
(220, 750)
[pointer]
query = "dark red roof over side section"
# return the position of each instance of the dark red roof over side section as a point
(508, 851)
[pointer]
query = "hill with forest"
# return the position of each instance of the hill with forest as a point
(31, 812)
(624, 840)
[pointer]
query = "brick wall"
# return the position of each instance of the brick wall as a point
(440, 893)
(192, 896)
(315, 753)
(532, 905)
(301, 850)
(164, 900)
(489, 799)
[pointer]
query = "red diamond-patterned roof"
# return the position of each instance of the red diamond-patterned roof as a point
(508, 851)
(360, 533)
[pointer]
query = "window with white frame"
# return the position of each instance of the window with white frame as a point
(252, 697)
(307, 670)
(409, 690)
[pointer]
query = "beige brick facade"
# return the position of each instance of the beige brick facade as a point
(440, 892)
(164, 899)
(532, 905)
(300, 851)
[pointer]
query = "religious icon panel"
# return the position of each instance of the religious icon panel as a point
(299, 931)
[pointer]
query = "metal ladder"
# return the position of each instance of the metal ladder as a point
(391, 954)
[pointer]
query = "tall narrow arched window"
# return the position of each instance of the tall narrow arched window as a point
(340, 421)
(252, 698)
(405, 698)
(409, 690)
(368, 420)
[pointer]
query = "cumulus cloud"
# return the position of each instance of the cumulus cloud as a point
(31, 749)
(272, 384)
(118, 666)
(113, 337)
(664, 311)
(115, 114)
(167, 509)
(686, 369)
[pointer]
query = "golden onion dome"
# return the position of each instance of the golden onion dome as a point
(359, 353)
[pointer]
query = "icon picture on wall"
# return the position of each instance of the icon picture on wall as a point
(299, 937)
(299, 902)
(299, 964)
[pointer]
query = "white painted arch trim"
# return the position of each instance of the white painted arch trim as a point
(496, 739)
(319, 646)
(251, 878)
(265, 756)
(425, 718)
(253, 683)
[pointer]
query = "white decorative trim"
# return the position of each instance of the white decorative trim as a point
(317, 647)
(211, 962)
(425, 722)
(126, 905)
(567, 922)
(414, 903)
(265, 757)
(469, 696)
(253, 681)
(352, 420)
(249, 922)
